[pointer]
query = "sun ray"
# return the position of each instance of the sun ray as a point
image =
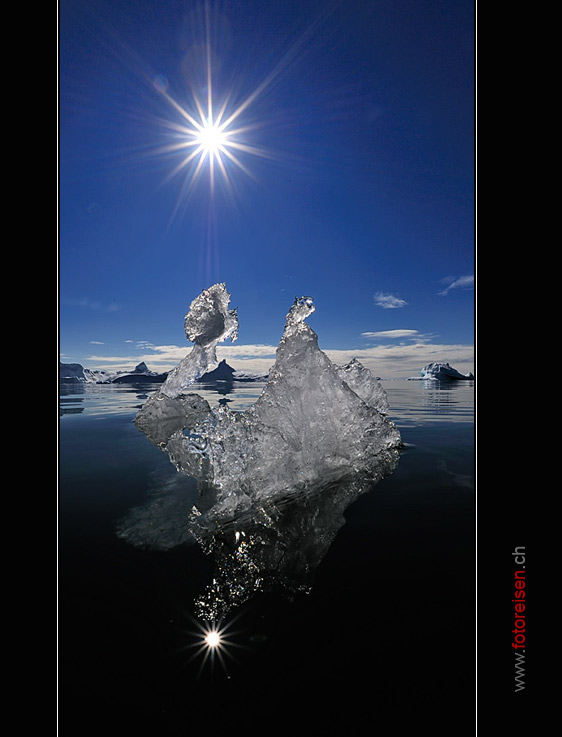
(183, 163)
(223, 170)
(222, 111)
(238, 163)
(179, 108)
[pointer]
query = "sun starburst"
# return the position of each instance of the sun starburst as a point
(210, 136)
(212, 640)
(211, 139)
(216, 121)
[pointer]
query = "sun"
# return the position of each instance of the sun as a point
(211, 130)
(211, 139)
(218, 126)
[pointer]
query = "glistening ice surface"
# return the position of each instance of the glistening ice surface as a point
(314, 423)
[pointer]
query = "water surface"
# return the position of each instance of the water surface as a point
(349, 611)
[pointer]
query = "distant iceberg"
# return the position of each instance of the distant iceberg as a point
(441, 372)
(228, 375)
(140, 374)
(75, 373)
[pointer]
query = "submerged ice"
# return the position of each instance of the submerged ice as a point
(275, 547)
(313, 424)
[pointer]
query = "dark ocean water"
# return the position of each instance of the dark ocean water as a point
(349, 613)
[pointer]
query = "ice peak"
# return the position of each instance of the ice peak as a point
(301, 309)
(209, 320)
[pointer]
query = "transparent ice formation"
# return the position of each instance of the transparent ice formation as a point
(313, 423)
(208, 322)
(273, 480)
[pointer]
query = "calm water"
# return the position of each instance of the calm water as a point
(345, 612)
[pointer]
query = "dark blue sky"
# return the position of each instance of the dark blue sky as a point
(364, 199)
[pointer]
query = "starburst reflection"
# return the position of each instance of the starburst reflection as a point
(213, 638)
(212, 641)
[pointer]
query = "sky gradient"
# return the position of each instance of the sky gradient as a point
(346, 173)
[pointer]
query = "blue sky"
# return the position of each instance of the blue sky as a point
(348, 176)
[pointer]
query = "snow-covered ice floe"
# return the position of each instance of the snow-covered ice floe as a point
(314, 423)
(441, 372)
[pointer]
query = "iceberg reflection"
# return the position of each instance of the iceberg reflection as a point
(274, 547)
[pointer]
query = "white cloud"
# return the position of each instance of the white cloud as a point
(242, 351)
(392, 334)
(96, 342)
(460, 282)
(389, 301)
(92, 304)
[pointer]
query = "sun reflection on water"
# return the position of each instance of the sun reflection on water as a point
(212, 641)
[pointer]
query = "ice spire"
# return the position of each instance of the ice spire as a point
(208, 322)
(301, 309)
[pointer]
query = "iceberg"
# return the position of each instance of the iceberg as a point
(75, 373)
(313, 424)
(363, 383)
(443, 372)
(140, 375)
(272, 481)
